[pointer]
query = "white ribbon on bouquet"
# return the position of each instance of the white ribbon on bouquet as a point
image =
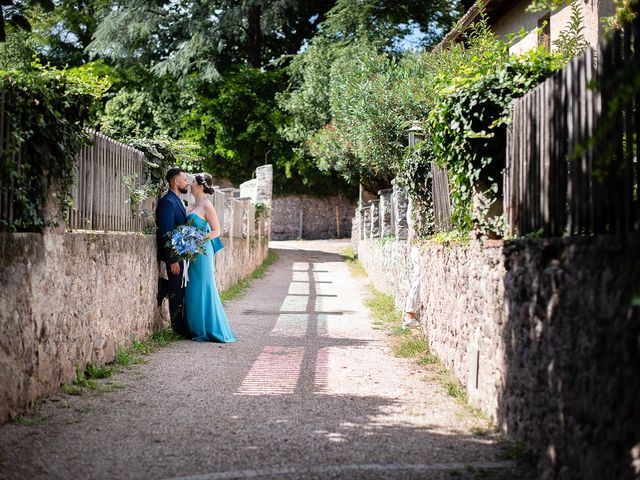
(185, 274)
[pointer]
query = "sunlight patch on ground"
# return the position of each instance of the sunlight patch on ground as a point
(275, 372)
(290, 325)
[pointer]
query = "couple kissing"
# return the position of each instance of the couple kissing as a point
(195, 307)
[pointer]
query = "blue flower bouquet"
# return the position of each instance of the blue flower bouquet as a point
(186, 242)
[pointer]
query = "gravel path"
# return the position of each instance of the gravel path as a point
(310, 390)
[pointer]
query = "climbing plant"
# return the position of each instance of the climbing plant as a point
(160, 154)
(467, 126)
(46, 109)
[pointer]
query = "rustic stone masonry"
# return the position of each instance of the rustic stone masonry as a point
(384, 217)
(400, 206)
(544, 336)
(386, 213)
(310, 218)
(375, 218)
(259, 189)
(73, 298)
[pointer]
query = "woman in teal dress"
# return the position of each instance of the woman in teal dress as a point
(204, 313)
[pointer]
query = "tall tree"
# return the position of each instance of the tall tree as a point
(64, 34)
(185, 36)
(13, 12)
(352, 27)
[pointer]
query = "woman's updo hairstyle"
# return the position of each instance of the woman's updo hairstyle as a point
(206, 181)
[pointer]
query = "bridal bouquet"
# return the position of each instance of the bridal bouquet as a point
(186, 242)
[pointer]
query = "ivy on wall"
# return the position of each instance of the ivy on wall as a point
(46, 109)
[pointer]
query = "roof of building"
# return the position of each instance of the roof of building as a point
(492, 8)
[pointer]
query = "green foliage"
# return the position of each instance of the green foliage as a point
(384, 23)
(83, 381)
(26, 422)
(626, 10)
(372, 102)
(94, 371)
(261, 210)
(467, 126)
(237, 120)
(161, 154)
(137, 113)
(47, 109)
(17, 51)
(352, 99)
(14, 13)
(213, 38)
(571, 41)
(411, 346)
(61, 36)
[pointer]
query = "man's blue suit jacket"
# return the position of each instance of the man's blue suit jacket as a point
(170, 213)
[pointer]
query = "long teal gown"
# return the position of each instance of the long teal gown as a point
(204, 314)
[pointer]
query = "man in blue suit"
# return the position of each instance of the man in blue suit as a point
(170, 213)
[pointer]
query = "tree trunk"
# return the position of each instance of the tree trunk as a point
(254, 34)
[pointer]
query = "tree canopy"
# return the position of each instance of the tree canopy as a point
(246, 81)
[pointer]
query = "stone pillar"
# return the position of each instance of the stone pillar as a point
(386, 213)
(245, 227)
(250, 189)
(355, 227)
(228, 214)
(400, 205)
(375, 219)
(264, 178)
(366, 223)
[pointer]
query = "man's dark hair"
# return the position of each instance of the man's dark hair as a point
(172, 173)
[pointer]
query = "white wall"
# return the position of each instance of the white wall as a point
(518, 18)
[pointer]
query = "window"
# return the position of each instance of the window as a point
(544, 32)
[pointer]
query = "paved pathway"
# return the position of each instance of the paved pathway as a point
(309, 391)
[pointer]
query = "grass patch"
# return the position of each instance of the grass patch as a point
(513, 451)
(125, 357)
(87, 379)
(383, 310)
(455, 390)
(236, 291)
(93, 371)
(70, 389)
(452, 237)
(164, 337)
(478, 472)
(428, 359)
(26, 422)
(82, 381)
(411, 346)
(351, 259)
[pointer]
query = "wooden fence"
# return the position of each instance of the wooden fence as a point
(572, 148)
(441, 198)
(100, 197)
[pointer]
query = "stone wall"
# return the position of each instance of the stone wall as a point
(310, 218)
(543, 335)
(388, 265)
(73, 298)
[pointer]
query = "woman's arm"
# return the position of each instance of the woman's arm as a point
(212, 218)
